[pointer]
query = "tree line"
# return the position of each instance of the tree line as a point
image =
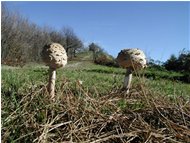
(179, 63)
(22, 40)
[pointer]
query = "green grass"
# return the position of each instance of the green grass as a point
(162, 74)
(93, 77)
(95, 110)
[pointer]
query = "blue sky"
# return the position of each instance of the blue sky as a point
(158, 28)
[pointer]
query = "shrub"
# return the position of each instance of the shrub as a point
(106, 60)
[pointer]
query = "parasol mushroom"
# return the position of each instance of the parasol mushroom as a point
(132, 60)
(55, 56)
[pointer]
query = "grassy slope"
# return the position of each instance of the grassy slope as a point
(93, 76)
(98, 110)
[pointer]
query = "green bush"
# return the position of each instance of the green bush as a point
(106, 60)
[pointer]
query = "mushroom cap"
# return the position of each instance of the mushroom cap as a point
(132, 58)
(54, 55)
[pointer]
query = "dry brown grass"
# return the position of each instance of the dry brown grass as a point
(80, 115)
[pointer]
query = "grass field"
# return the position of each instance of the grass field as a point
(98, 110)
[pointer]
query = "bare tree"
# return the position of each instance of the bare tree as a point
(94, 48)
(72, 42)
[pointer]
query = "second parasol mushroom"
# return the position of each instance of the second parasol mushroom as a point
(132, 60)
(55, 56)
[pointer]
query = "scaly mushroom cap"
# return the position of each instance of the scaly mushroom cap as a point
(54, 55)
(132, 58)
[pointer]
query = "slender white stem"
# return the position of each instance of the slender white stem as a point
(127, 80)
(51, 85)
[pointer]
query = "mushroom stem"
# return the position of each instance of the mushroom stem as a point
(128, 79)
(51, 85)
